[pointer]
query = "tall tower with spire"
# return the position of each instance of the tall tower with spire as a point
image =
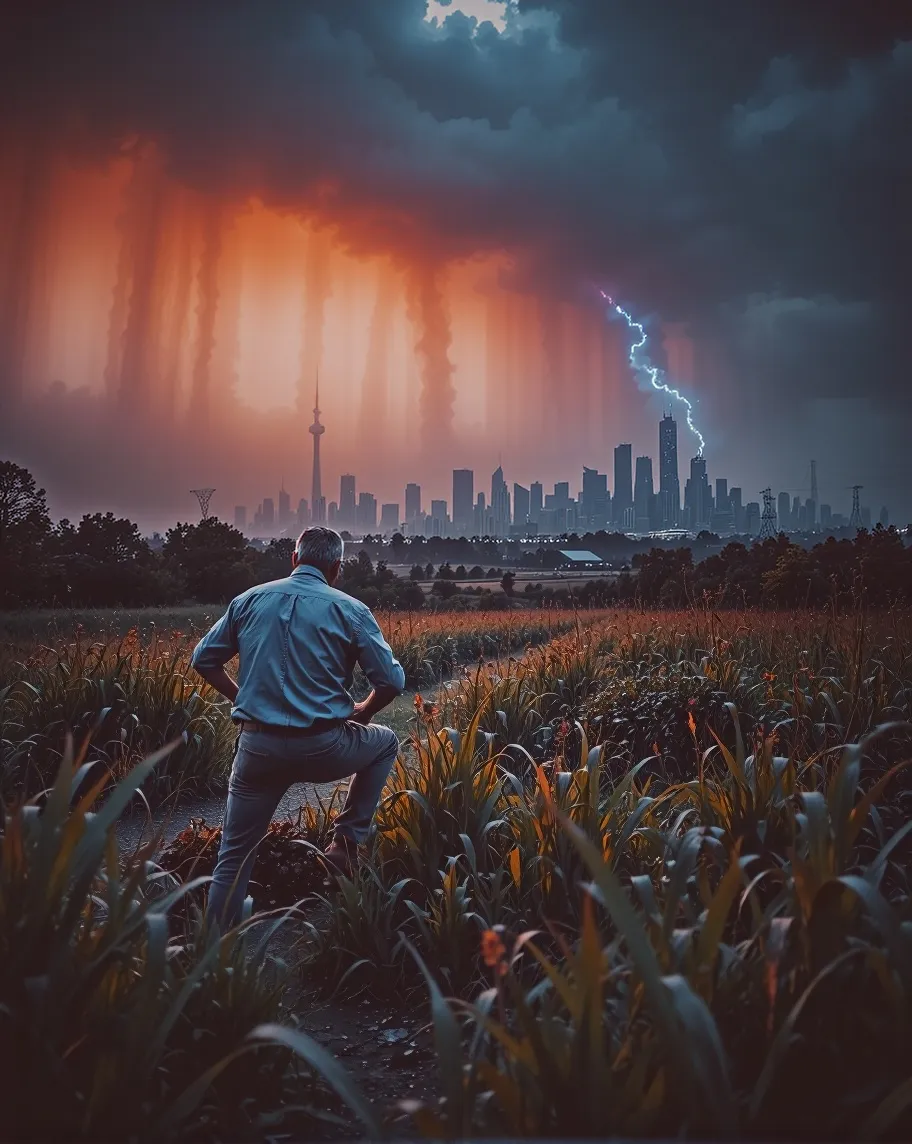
(318, 501)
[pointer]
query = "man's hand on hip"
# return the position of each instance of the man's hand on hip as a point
(361, 713)
(379, 698)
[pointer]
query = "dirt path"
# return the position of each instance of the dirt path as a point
(172, 817)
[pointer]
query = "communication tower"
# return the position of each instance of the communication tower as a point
(204, 496)
(768, 519)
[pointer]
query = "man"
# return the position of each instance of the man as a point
(298, 640)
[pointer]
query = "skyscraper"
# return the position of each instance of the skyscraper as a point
(594, 498)
(438, 519)
(785, 512)
(412, 502)
(389, 518)
(520, 505)
(303, 514)
(643, 493)
(480, 516)
(463, 501)
(347, 508)
(240, 517)
(318, 503)
(669, 478)
(536, 501)
(367, 512)
(500, 503)
(284, 508)
(697, 496)
(734, 499)
(723, 519)
(623, 482)
(268, 512)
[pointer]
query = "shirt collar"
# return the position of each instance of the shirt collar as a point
(310, 571)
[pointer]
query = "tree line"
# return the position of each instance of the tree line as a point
(103, 561)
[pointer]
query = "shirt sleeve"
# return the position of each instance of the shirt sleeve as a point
(376, 656)
(218, 645)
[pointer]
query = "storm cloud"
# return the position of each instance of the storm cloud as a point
(740, 168)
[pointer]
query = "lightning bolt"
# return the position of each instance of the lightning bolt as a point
(640, 364)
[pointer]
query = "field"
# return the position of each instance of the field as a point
(644, 874)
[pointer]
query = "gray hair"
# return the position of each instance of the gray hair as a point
(319, 546)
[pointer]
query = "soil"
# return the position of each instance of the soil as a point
(387, 1048)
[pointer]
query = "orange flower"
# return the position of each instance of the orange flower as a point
(691, 724)
(419, 702)
(494, 952)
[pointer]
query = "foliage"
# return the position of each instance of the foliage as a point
(24, 522)
(751, 978)
(113, 1026)
(125, 698)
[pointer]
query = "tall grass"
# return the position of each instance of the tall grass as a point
(125, 698)
(712, 939)
(116, 1023)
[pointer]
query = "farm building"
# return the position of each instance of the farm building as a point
(580, 558)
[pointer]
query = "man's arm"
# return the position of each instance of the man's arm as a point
(383, 670)
(213, 651)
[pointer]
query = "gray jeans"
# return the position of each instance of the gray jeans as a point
(265, 766)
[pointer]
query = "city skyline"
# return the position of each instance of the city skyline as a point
(634, 505)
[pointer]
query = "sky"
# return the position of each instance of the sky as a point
(204, 205)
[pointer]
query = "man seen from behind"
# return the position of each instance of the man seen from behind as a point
(298, 641)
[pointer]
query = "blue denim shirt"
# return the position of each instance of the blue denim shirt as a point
(298, 641)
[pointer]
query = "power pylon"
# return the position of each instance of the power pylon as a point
(204, 496)
(855, 518)
(768, 519)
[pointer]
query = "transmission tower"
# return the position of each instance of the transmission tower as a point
(768, 519)
(204, 496)
(855, 518)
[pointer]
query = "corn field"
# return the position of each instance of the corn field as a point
(651, 872)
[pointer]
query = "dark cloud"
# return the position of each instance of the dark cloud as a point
(743, 167)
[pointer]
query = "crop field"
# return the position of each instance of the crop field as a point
(634, 874)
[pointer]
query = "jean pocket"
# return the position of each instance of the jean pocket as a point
(256, 745)
(326, 743)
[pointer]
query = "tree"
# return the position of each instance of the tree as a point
(109, 539)
(211, 559)
(445, 589)
(23, 506)
(24, 530)
(507, 581)
(275, 561)
(104, 561)
(417, 572)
